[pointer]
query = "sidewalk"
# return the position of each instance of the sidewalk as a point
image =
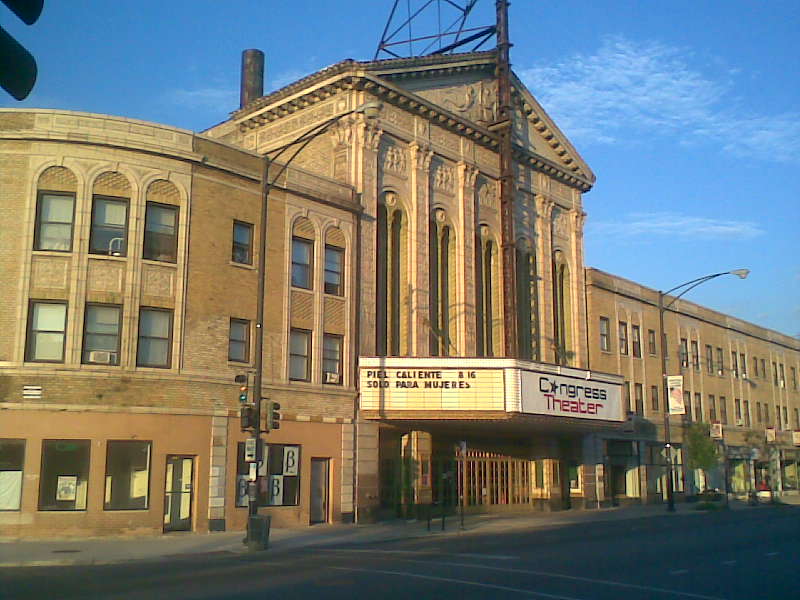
(97, 551)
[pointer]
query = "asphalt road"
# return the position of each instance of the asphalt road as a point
(742, 555)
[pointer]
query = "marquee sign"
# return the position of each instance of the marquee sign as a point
(565, 396)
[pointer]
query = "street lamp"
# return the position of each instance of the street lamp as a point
(371, 111)
(689, 285)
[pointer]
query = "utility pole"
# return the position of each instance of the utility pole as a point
(505, 129)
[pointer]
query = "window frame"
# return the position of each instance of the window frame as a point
(310, 266)
(605, 334)
(695, 346)
(340, 363)
(684, 353)
(146, 506)
(245, 342)
(654, 404)
(29, 337)
(116, 351)
(636, 340)
(86, 473)
(236, 245)
(309, 350)
(622, 331)
(652, 346)
(340, 287)
(710, 359)
(638, 398)
(24, 445)
(124, 246)
(177, 211)
(169, 339)
(37, 234)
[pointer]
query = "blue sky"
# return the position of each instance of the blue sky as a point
(688, 111)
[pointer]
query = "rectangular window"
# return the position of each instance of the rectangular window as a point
(242, 246)
(687, 401)
(637, 341)
(712, 408)
(654, 397)
(766, 414)
(626, 396)
(764, 368)
(747, 413)
(638, 394)
(300, 355)
(161, 232)
(720, 362)
(65, 474)
(127, 475)
(782, 378)
(109, 226)
(101, 334)
(302, 251)
(47, 326)
(605, 334)
(793, 374)
(54, 216)
(759, 416)
(797, 418)
(12, 461)
(723, 410)
(651, 342)
(737, 404)
(709, 359)
(743, 365)
(755, 367)
(695, 355)
(775, 373)
(684, 353)
(155, 338)
(698, 407)
(331, 359)
(281, 472)
(239, 341)
(734, 364)
(785, 417)
(623, 337)
(334, 268)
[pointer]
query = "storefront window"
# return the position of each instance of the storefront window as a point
(65, 474)
(279, 473)
(12, 458)
(789, 470)
(127, 475)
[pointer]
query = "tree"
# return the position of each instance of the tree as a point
(703, 452)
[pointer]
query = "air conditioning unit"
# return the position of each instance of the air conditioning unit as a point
(740, 422)
(331, 377)
(720, 372)
(783, 383)
(102, 357)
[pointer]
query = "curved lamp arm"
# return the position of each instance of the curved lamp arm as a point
(690, 285)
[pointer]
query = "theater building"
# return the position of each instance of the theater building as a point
(130, 291)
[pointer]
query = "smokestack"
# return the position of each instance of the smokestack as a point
(252, 76)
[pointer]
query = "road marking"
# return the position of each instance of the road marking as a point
(489, 556)
(427, 553)
(459, 582)
(679, 572)
(773, 553)
(570, 577)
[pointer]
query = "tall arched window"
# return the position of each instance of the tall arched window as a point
(486, 258)
(391, 312)
(527, 304)
(441, 285)
(562, 309)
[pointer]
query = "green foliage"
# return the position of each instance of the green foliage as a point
(703, 451)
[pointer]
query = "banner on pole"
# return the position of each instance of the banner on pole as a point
(675, 390)
(716, 431)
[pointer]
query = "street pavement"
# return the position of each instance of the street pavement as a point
(111, 550)
(640, 552)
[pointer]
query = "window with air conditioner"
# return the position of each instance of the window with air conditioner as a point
(332, 359)
(101, 334)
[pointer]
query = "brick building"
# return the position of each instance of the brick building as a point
(130, 302)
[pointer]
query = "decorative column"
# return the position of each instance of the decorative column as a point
(576, 220)
(465, 258)
(419, 221)
(544, 216)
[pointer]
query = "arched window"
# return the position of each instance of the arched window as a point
(562, 309)
(441, 285)
(486, 263)
(391, 311)
(527, 304)
(55, 210)
(111, 195)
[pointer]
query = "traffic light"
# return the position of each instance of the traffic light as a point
(242, 381)
(273, 415)
(247, 413)
(17, 65)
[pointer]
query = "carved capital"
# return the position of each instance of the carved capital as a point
(544, 207)
(342, 133)
(420, 156)
(372, 136)
(467, 174)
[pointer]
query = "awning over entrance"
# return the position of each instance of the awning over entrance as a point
(510, 393)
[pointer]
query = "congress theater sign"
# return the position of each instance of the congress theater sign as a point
(470, 384)
(566, 396)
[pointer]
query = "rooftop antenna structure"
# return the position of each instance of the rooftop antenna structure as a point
(448, 18)
(443, 23)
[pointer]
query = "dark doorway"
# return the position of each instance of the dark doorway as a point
(320, 487)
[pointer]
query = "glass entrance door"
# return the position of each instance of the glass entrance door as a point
(320, 474)
(178, 493)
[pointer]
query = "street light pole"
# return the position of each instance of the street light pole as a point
(370, 110)
(689, 285)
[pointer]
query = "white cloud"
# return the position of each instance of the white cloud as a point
(677, 225)
(650, 88)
